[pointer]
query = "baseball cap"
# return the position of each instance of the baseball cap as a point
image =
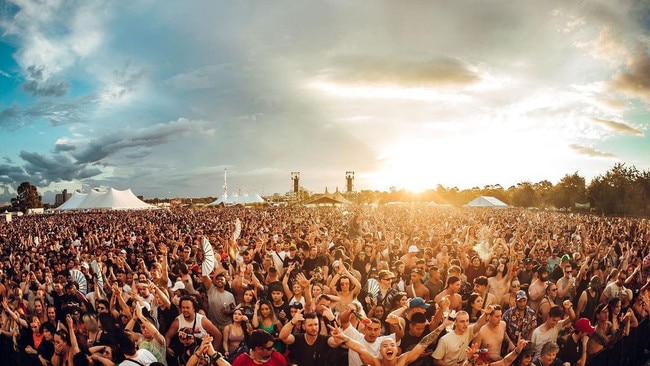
(566, 258)
(179, 285)
(413, 249)
(583, 325)
(595, 281)
(521, 294)
(418, 302)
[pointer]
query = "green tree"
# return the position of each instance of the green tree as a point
(27, 198)
(524, 195)
(569, 190)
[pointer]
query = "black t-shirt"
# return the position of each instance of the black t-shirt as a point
(166, 317)
(302, 353)
(570, 351)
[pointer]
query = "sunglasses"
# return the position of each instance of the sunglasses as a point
(268, 348)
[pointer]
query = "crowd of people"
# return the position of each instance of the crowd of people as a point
(302, 286)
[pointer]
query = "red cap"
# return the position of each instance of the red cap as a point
(583, 325)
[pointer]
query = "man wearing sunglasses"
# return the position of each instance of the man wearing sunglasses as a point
(261, 351)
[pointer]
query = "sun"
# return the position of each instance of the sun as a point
(406, 166)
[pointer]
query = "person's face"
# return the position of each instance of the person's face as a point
(58, 340)
(552, 321)
(515, 286)
(548, 357)
(416, 329)
(522, 303)
(51, 314)
(543, 276)
(38, 307)
(403, 301)
(372, 332)
(462, 323)
(379, 312)
(266, 351)
(265, 310)
(455, 287)
(142, 278)
(248, 297)
(568, 271)
(187, 308)
(276, 296)
(219, 281)
(35, 325)
(621, 278)
(101, 308)
(345, 283)
(322, 305)
(552, 291)
(386, 281)
(237, 316)
(495, 317)
(604, 314)
(48, 335)
(311, 326)
(478, 303)
(297, 289)
(121, 277)
(479, 288)
(388, 349)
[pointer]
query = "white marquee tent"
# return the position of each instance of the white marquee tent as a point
(73, 202)
(112, 199)
(487, 201)
(237, 199)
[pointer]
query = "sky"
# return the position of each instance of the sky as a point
(163, 96)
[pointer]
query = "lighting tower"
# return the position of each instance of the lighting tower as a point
(349, 178)
(295, 177)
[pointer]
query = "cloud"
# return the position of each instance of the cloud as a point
(590, 151)
(406, 72)
(206, 77)
(5, 74)
(10, 174)
(137, 139)
(618, 127)
(39, 87)
(635, 82)
(55, 112)
(44, 170)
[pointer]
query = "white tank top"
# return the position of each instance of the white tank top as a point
(196, 325)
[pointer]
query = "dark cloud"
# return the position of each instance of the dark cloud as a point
(44, 170)
(636, 80)
(590, 151)
(38, 87)
(618, 127)
(408, 72)
(10, 174)
(139, 139)
(63, 147)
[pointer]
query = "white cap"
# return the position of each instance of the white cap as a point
(413, 249)
(179, 285)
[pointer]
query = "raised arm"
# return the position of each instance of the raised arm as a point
(364, 355)
(425, 342)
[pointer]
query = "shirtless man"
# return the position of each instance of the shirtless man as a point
(417, 288)
(388, 349)
(493, 334)
(451, 293)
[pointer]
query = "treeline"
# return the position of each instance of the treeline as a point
(620, 191)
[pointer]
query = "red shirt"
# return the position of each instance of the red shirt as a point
(245, 360)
